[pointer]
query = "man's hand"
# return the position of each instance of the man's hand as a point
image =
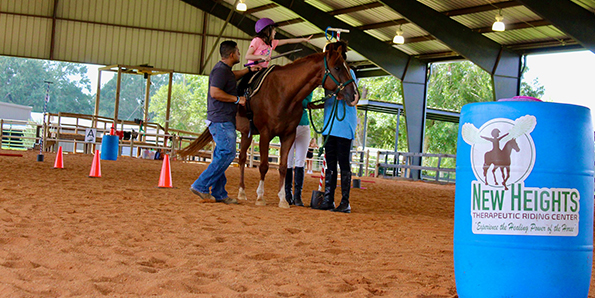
(242, 101)
(254, 68)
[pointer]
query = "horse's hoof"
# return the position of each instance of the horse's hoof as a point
(260, 203)
(283, 204)
(242, 196)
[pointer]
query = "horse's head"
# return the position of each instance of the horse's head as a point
(337, 77)
(513, 145)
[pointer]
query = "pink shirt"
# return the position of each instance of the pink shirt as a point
(261, 48)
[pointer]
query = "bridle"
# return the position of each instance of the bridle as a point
(340, 86)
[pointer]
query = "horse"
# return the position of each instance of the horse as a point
(277, 109)
(500, 158)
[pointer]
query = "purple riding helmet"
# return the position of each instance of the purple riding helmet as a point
(263, 23)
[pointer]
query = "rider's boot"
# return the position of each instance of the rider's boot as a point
(299, 183)
(288, 185)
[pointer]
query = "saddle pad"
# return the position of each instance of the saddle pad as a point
(257, 79)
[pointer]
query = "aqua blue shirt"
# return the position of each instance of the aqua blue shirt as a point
(346, 127)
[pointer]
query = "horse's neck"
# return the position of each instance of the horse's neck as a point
(306, 76)
(508, 147)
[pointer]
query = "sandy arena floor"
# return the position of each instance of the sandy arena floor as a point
(64, 234)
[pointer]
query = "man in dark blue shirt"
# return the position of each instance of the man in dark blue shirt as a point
(222, 104)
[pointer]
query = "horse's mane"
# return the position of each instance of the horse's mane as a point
(305, 59)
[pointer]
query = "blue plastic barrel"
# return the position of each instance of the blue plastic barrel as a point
(109, 147)
(524, 200)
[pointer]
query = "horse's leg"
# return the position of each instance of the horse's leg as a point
(286, 143)
(244, 145)
(505, 177)
(264, 167)
(485, 172)
(494, 174)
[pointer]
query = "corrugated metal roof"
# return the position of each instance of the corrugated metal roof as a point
(172, 34)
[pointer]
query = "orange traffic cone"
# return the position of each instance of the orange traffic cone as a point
(165, 177)
(59, 163)
(96, 166)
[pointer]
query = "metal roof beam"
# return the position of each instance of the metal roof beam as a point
(261, 8)
(355, 8)
(568, 17)
(336, 12)
(245, 24)
(481, 8)
(477, 48)
(450, 13)
(509, 27)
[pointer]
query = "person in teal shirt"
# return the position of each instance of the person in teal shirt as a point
(297, 158)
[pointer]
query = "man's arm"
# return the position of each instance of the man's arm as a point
(223, 96)
(242, 72)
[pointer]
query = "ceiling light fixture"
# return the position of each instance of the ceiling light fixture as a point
(241, 6)
(498, 25)
(399, 39)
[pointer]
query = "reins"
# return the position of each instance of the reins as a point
(333, 114)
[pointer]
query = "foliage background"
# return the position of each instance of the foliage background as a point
(450, 86)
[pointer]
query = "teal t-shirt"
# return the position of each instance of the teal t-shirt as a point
(305, 119)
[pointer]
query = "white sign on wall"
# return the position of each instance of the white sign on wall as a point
(90, 134)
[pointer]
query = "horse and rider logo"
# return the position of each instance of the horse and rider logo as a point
(501, 144)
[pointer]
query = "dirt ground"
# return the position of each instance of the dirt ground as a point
(65, 234)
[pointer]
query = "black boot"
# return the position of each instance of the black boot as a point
(328, 202)
(288, 185)
(345, 189)
(299, 183)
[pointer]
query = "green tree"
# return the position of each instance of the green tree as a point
(452, 85)
(381, 127)
(188, 103)
(132, 95)
(533, 89)
(22, 82)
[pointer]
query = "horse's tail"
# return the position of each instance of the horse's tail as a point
(198, 144)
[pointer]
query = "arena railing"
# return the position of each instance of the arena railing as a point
(436, 167)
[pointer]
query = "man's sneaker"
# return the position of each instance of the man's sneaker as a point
(228, 200)
(202, 195)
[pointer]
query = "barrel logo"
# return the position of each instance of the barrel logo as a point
(502, 157)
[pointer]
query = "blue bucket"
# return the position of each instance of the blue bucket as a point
(109, 147)
(524, 200)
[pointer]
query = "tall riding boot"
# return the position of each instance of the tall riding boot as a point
(288, 186)
(345, 189)
(299, 183)
(328, 202)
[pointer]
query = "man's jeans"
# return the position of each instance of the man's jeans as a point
(224, 135)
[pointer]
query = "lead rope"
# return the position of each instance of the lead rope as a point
(334, 114)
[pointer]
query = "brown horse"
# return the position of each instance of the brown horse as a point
(500, 158)
(277, 109)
